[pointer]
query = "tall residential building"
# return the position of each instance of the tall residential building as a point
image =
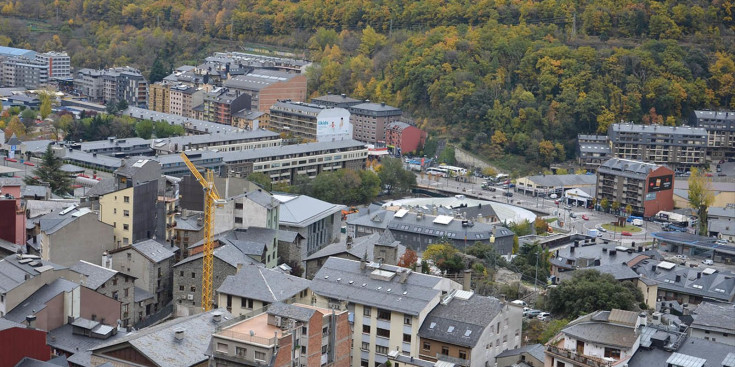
(23, 72)
(266, 87)
(184, 98)
(370, 119)
(113, 85)
(679, 147)
(59, 64)
(285, 336)
(220, 104)
(720, 127)
(648, 188)
(159, 97)
(592, 150)
(309, 121)
(335, 100)
(390, 304)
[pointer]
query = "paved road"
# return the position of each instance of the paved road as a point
(577, 225)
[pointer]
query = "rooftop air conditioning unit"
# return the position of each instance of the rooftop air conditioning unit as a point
(190, 297)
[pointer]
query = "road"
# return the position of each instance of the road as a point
(543, 205)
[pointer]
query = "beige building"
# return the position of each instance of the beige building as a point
(183, 100)
(60, 239)
(723, 193)
(389, 304)
(116, 209)
(159, 97)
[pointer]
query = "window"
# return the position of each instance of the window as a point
(407, 320)
(181, 273)
(126, 213)
(612, 353)
(126, 199)
(381, 350)
(125, 291)
(406, 338)
(324, 349)
(181, 288)
(222, 347)
(463, 354)
(114, 295)
(241, 352)
(238, 220)
(383, 314)
(260, 355)
(246, 303)
(445, 351)
(385, 333)
(366, 329)
(114, 281)
(366, 311)
(193, 289)
(193, 275)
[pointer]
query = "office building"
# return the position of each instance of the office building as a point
(370, 119)
(283, 164)
(266, 87)
(647, 187)
(310, 122)
(285, 335)
(389, 304)
(720, 127)
(679, 147)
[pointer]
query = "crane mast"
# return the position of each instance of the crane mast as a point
(211, 199)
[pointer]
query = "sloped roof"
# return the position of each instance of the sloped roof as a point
(360, 246)
(302, 210)
(291, 311)
(267, 285)
(159, 344)
(153, 250)
(715, 316)
(38, 300)
(603, 333)
(228, 253)
(460, 322)
(95, 275)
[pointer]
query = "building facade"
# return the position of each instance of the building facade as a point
(183, 99)
(593, 150)
(720, 127)
(220, 104)
(59, 64)
(648, 188)
(23, 72)
(679, 147)
(266, 87)
(159, 97)
(404, 138)
(370, 119)
(310, 122)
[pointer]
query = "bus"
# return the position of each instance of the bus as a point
(456, 171)
(437, 171)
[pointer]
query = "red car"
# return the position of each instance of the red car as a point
(624, 233)
(585, 217)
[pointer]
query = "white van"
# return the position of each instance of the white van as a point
(638, 222)
(708, 262)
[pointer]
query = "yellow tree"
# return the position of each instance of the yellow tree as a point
(15, 127)
(700, 197)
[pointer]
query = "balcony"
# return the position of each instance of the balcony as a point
(455, 360)
(572, 356)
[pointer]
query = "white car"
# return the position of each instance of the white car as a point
(708, 262)
(520, 303)
(544, 316)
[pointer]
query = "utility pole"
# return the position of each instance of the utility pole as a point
(535, 279)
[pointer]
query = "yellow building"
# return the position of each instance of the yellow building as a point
(723, 192)
(116, 209)
(159, 97)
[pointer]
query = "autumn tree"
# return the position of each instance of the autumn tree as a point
(615, 206)
(45, 108)
(700, 197)
(408, 259)
(15, 127)
(605, 204)
(445, 257)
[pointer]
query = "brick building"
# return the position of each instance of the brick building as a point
(220, 104)
(265, 87)
(404, 138)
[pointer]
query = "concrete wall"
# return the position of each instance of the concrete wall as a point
(66, 246)
(724, 338)
(96, 306)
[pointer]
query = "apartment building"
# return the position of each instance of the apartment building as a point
(233, 141)
(59, 236)
(370, 119)
(111, 283)
(592, 150)
(389, 304)
(220, 104)
(715, 322)
(113, 85)
(59, 64)
(159, 97)
(404, 138)
(598, 339)
(679, 147)
(24, 72)
(89, 83)
(255, 288)
(283, 164)
(720, 127)
(184, 98)
(266, 87)
(335, 100)
(310, 122)
(470, 330)
(285, 335)
(647, 187)
(379, 248)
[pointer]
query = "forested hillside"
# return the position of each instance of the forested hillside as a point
(496, 76)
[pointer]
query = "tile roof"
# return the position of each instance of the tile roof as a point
(267, 285)
(715, 316)
(345, 280)
(460, 322)
(38, 300)
(154, 250)
(95, 275)
(159, 344)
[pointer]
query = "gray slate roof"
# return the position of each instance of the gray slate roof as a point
(63, 338)
(460, 322)
(715, 353)
(627, 168)
(13, 273)
(360, 246)
(302, 210)
(563, 180)
(153, 250)
(267, 285)
(7, 324)
(158, 343)
(344, 279)
(37, 301)
(194, 124)
(288, 150)
(291, 311)
(190, 222)
(95, 275)
(536, 350)
(104, 187)
(142, 294)
(715, 316)
(30, 362)
(228, 253)
(710, 283)
(263, 198)
(603, 333)
(287, 236)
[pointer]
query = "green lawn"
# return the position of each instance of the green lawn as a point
(627, 228)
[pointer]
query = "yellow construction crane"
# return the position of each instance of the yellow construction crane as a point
(211, 199)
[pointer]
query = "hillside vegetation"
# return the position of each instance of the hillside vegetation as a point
(498, 77)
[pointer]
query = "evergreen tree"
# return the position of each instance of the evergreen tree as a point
(158, 72)
(49, 172)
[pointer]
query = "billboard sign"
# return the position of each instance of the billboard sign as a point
(333, 124)
(660, 183)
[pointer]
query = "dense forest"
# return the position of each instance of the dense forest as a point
(502, 78)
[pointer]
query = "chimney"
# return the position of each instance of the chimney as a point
(467, 280)
(239, 267)
(404, 275)
(217, 315)
(348, 242)
(363, 264)
(678, 278)
(31, 320)
(179, 334)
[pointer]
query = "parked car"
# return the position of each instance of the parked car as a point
(533, 313)
(585, 217)
(601, 229)
(567, 207)
(572, 215)
(520, 302)
(544, 316)
(626, 233)
(682, 257)
(508, 194)
(708, 262)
